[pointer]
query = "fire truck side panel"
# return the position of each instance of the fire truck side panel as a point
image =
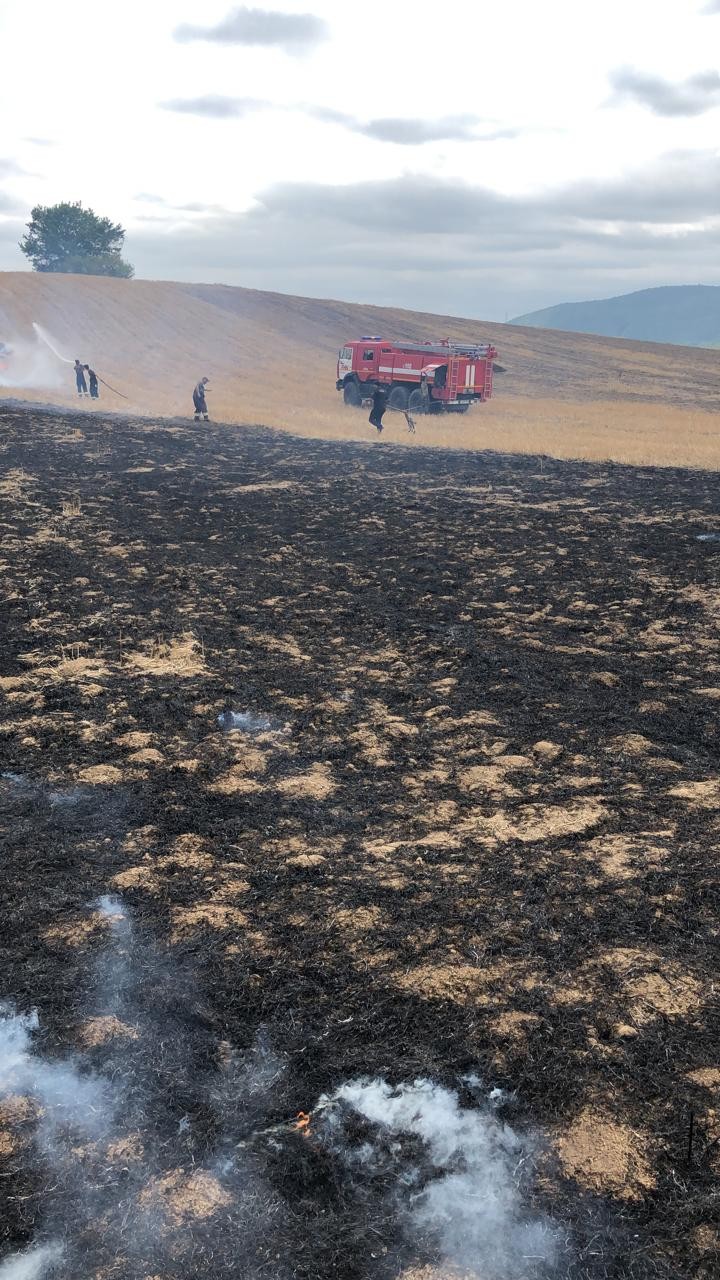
(454, 377)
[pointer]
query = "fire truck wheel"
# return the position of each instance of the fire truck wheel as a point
(417, 402)
(398, 398)
(351, 394)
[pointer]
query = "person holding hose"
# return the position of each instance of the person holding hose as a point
(80, 378)
(199, 400)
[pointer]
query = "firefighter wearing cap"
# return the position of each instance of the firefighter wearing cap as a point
(199, 400)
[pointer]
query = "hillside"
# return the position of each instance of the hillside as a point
(271, 359)
(685, 314)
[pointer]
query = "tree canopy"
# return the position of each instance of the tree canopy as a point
(68, 237)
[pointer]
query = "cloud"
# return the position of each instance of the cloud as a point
(679, 189)
(414, 131)
(712, 7)
(172, 209)
(11, 228)
(215, 106)
(293, 32)
(408, 132)
(11, 169)
(691, 97)
(10, 204)
(450, 247)
(11, 232)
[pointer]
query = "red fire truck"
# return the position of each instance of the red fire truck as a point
(424, 377)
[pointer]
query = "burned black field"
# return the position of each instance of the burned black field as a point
(463, 822)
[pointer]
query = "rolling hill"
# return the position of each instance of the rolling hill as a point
(688, 315)
(271, 359)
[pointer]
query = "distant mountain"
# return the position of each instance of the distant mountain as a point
(687, 314)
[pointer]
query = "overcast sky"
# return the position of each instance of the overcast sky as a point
(470, 157)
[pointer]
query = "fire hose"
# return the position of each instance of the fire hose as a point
(113, 389)
(45, 338)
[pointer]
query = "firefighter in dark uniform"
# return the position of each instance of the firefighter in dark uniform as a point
(199, 400)
(379, 405)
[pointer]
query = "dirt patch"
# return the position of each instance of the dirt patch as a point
(530, 823)
(621, 856)
(207, 916)
(516, 1025)
(601, 1154)
(190, 853)
(701, 795)
(180, 657)
(707, 1077)
(360, 920)
(316, 784)
(101, 774)
(135, 740)
(183, 1198)
(653, 985)
(97, 1031)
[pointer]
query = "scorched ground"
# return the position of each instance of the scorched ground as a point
(469, 825)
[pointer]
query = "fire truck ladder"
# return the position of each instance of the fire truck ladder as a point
(487, 386)
(453, 377)
(475, 350)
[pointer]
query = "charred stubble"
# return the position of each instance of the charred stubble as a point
(481, 836)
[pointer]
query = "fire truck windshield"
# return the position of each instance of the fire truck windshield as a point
(346, 353)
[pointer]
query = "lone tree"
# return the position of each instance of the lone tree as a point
(67, 237)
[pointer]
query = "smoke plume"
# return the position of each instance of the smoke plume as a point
(32, 1265)
(137, 1138)
(30, 363)
(157, 1149)
(65, 1097)
(465, 1189)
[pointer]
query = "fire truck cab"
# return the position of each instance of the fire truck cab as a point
(425, 377)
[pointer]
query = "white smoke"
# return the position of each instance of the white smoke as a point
(472, 1199)
(245, 722)
(121, 1145)
(31, 363)
(32, 1265)
(64, 1095)
(159, 1144)
(70, 1106)
(113, 910)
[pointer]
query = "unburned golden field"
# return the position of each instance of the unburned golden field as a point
(271, 360)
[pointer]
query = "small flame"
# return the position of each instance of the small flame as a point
(302, 1123)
